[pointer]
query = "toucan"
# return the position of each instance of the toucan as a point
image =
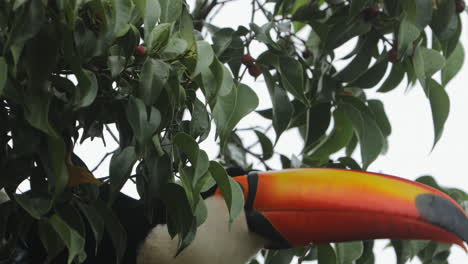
(292, 208)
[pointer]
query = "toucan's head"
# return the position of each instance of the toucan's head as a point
(301, 206)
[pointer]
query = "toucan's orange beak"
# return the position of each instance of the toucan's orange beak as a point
(301, 206)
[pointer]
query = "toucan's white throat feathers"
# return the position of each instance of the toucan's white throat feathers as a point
(213, 244)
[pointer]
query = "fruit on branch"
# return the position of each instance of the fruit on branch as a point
(393, 55)
(247, 60)
(140, 50)
(254, 70)
(460, 6)
(370, 13)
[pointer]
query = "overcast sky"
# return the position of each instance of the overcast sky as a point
(409, 154)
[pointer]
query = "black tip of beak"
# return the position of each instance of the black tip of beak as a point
(442, 212)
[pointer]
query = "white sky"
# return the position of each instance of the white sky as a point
(409, 154)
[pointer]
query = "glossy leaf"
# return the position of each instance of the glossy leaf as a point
(452, 66)
(230, 189)
(394, 78)
(326, 254)
(171, 10)
(348, 252)
(74, 241)
(230, 109)
(3, 74)
(440, 107)
(154, 76)
(265, 143)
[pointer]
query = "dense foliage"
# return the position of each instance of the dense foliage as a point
(68, 69)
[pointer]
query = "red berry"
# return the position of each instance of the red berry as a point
(393, 55)
(346, 92)
(370, 13)
(247, 60)
(254, 70)
(460, 5)
(140, 50)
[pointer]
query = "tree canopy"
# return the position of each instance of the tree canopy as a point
(166, 77)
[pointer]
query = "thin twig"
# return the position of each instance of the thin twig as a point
(112, 134)
(102, 160)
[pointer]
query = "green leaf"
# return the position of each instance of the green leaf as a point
(366, 128)
(115, 230)
(444, 20)
(205, 56)
(180, 218)
(3, 74)
(143, 124)
(360, 62)
(318, 120)
(423, 13)
(171, 10)
(150, 10)
(72, 239)
(154, 76)
(87, 88)
(373, 75)
(201, 124)
(94, 220)
(279, 256)
(348, 252)
(230, 109)
(265, 143)
(397, 74)
(407, 34)
(339, 137)
(282, 110)
(116, 65)
(174, 48)
(230, 189)
(159, 37)
(198, 158)
(292, 77)
(440, 107)
(120, 167)
(58, 180)
(377, 108)
(326, 254)
(451, 68)
(35, 206)
(426, 63)
(123, 11)
(50, 240)
(340, 33)
(357, 6)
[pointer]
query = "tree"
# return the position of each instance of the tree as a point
(69, 69)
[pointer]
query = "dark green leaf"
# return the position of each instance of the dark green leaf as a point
(116, 65)
(452, 66)
(440, 107)
(367, 130)
(115, 230)
(282, 111)
(339, 137)
(154, 75)
(72, 239)
(326, 254)
(318, 120)
(94, 220)
(373, 75)
(143, 125)
(292, 77)
(230, 189)
(3, 74)
(50, 239)
(377, 108)
(201, 123)
(230, 109)
(348, 252)
(394, 78)
(123, 11)
(265, 143)
(170, 10)
(407, 33)
(120, 167)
